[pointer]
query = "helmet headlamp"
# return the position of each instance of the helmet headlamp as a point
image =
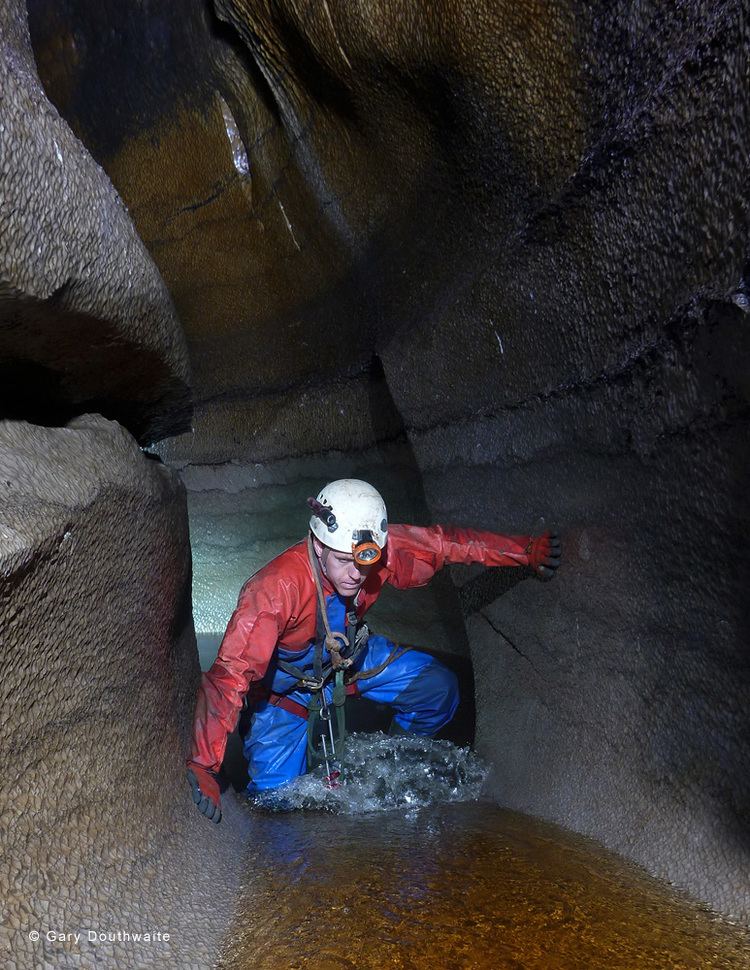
(364, 548)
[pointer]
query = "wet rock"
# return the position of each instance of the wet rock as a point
(86, 322)
(99, 675)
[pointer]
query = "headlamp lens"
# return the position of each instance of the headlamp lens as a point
(366, 553)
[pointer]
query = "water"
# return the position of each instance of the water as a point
(382, 773)
(403, 868)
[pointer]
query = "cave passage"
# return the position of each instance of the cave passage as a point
(491, 256)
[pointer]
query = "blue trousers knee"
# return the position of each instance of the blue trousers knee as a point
(421, 690)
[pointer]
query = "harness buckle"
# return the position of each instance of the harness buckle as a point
(361, 638)
(311, 685)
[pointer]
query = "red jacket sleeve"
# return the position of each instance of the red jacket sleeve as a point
(246, 649)
(415, 554)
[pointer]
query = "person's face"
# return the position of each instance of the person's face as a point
(344, 574)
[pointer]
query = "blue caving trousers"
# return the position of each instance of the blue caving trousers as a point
(422, 692)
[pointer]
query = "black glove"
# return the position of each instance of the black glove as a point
(205, 789)
(545, 553)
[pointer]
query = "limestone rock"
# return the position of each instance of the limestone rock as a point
(99, 676)
(86, 322)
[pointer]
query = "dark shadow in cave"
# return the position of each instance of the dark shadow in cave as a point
(388, 426)
(46, 380)
(481, 591)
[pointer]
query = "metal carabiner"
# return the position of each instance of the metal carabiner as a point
(325, 715)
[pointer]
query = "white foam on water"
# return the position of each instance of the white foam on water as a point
(381, 773)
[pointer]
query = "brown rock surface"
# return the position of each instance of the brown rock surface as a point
(99, 674)
(86, 322)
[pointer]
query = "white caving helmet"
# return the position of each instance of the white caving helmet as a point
(349, 516)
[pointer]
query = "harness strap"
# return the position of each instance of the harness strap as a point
(351, 678)
(306, 682)
(397, 652)
(281, 700)
(335, 642)
(313, 713)
(339, 701)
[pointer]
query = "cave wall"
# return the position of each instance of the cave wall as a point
(100, 671)
(525, 229)
(97, 643)
(616, 404)
(264, 260)
(74, 274)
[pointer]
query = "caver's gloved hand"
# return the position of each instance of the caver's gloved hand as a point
(206, 793)
(545, 553)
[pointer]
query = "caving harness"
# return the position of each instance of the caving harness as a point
(344, 649)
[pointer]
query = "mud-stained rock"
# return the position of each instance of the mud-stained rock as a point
(100, 670)
(86, 321)
(364, 129)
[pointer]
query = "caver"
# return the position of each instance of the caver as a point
(297, 642)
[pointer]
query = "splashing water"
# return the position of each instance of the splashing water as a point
(382, 773)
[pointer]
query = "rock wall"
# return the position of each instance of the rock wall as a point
(614, 402)
(569, 344)
(99, 674)
(99, 835)
(86, 322)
